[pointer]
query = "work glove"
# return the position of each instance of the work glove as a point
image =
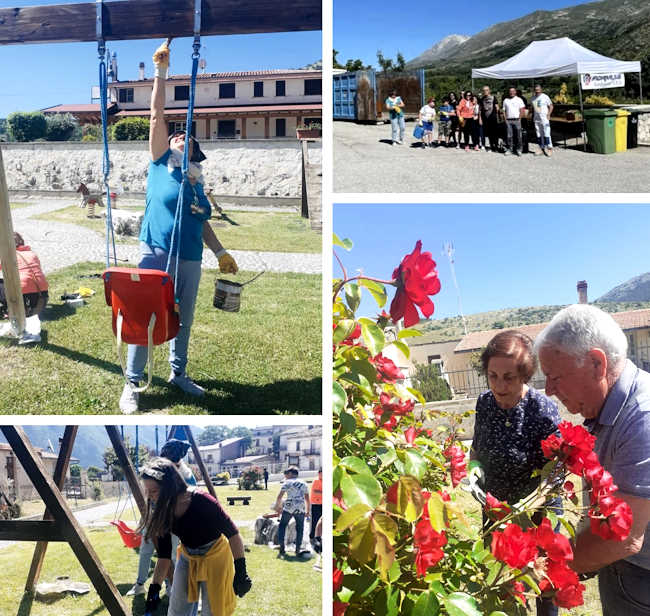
(420, 123)
(476, 481)
(242, 583)
(161, 60)
(227, 264)
(153, 598)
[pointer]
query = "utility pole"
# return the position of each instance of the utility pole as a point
(449, 250)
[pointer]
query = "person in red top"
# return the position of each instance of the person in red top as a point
(33, 283)
(465, 113)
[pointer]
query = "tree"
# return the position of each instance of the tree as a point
(428, 380)
(113, 466)
(60, 126)
(401, 63)
(385, 63)
(94, 473)
(75, 470)
(335, 62)
(355, 65)
(214, 434)
(475, 361)
(27, 126)
(131, 129)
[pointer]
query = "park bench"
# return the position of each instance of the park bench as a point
(233, 499)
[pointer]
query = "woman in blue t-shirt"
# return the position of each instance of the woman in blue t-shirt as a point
(163, 186)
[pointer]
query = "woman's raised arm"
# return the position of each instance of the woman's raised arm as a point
(158, 126)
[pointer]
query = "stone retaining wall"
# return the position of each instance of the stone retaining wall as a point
(644, 129)
(270, 167)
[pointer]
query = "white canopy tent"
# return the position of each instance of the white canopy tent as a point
(557, 57)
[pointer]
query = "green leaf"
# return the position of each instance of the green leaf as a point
(393, 604)
(343, 329)
(461, 604)
(377, 290)
(385, 525)
(426, 605)
(387, 458)
(436, 512)
(351, 516)
(498, 613)
(569, 527)
(345, 594)
(438, 588)
(362, 541)
(339, 398)
(346, 243)
(417, 395)
(360, 489)
(552, 518)
(527, 579)
(348, 423)
(495, 570)
(385, 552)
(360, 381)
(372, 336)
(353, 295)
(337, 473)
(364, 367)
(408, 333)
(356, 465)
(415, 464)
(394, 572)
(402, 347)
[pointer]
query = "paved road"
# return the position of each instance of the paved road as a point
(365, 163)
(61, 244)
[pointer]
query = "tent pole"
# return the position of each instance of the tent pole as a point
(582, 115)
(640, 88)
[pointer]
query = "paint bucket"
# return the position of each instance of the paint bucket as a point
(227, 294)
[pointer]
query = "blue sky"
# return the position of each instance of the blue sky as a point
(392, 26)
(506, 255)
(38, 76)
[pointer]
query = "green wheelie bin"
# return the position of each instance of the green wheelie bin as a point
(601, 130)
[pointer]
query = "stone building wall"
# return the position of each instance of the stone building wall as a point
(270, 168)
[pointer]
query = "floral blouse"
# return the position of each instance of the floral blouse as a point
(507, 442)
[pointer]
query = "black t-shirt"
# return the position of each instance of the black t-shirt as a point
(204, 521)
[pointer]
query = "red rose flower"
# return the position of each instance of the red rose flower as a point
(556, 545)
(401, 407)
(339, 608)
(427, 543)
(617, 522)
(391, 493)
(457, 464)
(565, 582)
(426, 558)
(518, 590)
(337, 578)
(416, 279)
(387, 371)
(495, 508)
(551, 446)
(569, 596)
(514, 546)
(569, 488)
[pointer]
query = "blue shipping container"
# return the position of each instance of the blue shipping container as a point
(345, 88)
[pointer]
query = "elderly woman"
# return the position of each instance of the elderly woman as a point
(210, 544)
(512, 419)
(163, 187)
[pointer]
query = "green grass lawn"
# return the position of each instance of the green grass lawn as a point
(264, 359)
(280, 587)
(16, 205)
(267, 231)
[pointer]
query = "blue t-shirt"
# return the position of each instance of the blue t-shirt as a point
(162, 196)
(448, 109)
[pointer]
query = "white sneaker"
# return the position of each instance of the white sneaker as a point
(138, 589)
(129, 400)
(186, 384)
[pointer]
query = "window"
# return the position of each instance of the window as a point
(178, 127)
(258, 89)
(297, 445)
(226, 129)
(310, 121)
(280, 127)
(280, 88)
(182, 93)
(226, 90)
(126, 95)
(313, 87)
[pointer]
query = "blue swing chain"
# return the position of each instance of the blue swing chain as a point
(178, 216)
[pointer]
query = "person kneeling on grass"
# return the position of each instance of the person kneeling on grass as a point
(210, 545)
(296, 505)
(164, 183)
(33, 285)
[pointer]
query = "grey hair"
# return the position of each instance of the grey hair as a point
(579, 328)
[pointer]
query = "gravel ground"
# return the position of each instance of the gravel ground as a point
(60, 244)
(364, 161)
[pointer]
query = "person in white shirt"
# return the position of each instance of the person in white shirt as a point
(512, 106)
(427, 121)
(542, 109)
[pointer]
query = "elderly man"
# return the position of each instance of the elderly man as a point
(542, 107)
(489, 108)
(583, 353)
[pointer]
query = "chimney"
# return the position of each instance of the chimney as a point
(141, 74)
(582, 292)
(114, 66)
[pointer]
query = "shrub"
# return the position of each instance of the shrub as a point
(251, 478)
(60, 126)
(596, 99)
(131, 129)
(87, 138)
(96, 491)
(75, 470)
(94, 130)
(27, 126)
(221, 479)
(94, 473)
(429, 382)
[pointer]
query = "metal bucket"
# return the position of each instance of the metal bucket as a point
(227, 294)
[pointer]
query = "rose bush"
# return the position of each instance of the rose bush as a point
(403, 543)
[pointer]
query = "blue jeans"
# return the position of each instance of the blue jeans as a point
(178, 603)
(543, 132)
(624, 589)
(398, 125)
(189, 275)
(146, 553)
(300, 526)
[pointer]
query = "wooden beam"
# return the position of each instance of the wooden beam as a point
(10, 275)
(199, 461)
(60, 472)
(61, 513)
(158, 19)
(127, 466)
(31, 530)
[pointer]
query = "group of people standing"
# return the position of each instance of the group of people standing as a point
(478, 122)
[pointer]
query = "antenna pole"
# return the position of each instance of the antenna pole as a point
(448, 249)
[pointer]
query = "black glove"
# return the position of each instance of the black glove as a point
(242, 583)
(153, 598)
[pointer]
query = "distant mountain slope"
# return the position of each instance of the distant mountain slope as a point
(619, 28)
(443, 49)
(636, 289)
(451, 328)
